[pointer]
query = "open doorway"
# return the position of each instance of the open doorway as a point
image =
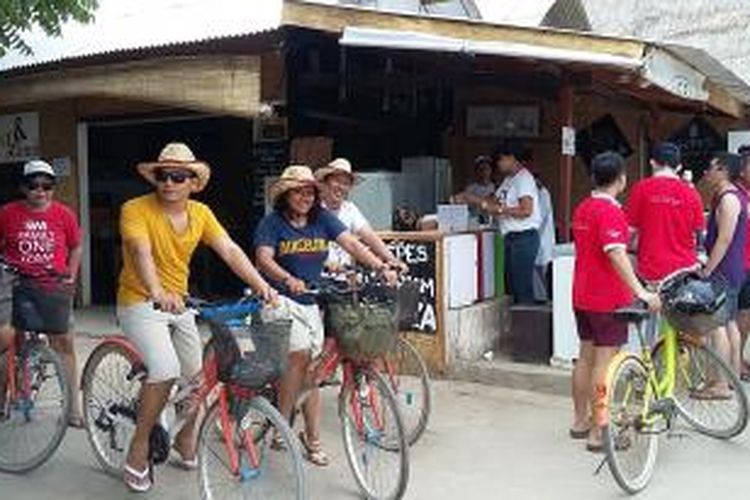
(115, 148)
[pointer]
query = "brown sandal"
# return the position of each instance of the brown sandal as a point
(314, 451)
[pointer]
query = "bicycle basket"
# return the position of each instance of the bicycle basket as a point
(694, 304)
(267, 362)
(364, 331)
(40, 306)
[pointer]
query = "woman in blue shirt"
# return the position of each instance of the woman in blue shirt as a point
(291, 246)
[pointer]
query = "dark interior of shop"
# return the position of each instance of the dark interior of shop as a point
(115, 149)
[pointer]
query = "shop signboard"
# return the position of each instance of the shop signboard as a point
(19, 137)
(421, 257)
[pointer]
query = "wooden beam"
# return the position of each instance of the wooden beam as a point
(335, 18)
(227, 84)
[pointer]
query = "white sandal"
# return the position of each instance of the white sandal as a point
(138, 481)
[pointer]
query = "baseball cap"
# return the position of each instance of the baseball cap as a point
(35, 167)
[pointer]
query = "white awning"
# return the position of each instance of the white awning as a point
(406, 40)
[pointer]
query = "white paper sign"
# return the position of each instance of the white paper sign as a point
(19, 137)
(61, 166)
(568, 141)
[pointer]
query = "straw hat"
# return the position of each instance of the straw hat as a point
(293, 177)
(337, 166)
(177, 155)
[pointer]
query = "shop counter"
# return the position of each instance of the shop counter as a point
(458, 316)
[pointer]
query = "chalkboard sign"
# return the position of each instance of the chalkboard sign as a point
(420, 256)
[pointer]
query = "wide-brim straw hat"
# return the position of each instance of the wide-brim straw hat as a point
(177, 155)
(337, 166)
(293, 177)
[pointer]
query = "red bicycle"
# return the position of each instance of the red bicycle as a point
(35, 396)
(235, 458)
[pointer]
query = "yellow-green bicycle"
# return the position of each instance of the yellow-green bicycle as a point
(642, 395)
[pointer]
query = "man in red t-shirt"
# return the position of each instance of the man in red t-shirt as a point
(603, 282)
(666, 214)
(40, 237)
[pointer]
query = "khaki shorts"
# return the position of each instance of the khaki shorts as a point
(307, 324)
(169, 344)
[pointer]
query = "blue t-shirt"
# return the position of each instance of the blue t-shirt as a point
(301, 251)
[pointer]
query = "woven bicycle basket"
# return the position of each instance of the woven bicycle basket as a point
(266, 363)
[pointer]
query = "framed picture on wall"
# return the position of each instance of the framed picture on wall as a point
(502, 121)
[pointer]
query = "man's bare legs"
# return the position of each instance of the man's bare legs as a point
(65, 347)
(581, 388)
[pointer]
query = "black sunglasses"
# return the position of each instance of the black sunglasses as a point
(45, 186)
(177, 177)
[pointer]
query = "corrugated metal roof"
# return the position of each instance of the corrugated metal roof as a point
(721, 29)
(139, 24)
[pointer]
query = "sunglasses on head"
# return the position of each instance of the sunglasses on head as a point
(176, 176)
(36, 185)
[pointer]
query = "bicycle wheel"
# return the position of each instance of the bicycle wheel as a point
(374, 436)
(110, 404)
(36, 421)
(408, 377)
(277, 474)
(697, 366)
(630, 442)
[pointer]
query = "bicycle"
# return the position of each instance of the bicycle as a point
(234, 452)
(404, 367)
(35, 399)
(373, 433)
(642, 395)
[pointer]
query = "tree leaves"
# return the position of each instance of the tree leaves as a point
(19, 16)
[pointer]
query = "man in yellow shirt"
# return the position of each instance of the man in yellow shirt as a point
(160, 232)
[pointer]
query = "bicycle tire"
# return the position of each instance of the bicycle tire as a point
(109, 424)
(375, 381)
(41, 355)
(624, 440)
(256, 408)
(415, 402)
(695, 362)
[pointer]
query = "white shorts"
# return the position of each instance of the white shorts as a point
(307, 324)
(169, 344)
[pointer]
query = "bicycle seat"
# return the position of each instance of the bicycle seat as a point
(635, 313)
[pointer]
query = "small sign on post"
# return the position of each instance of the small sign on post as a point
(568, 141)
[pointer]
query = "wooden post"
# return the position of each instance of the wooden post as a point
(565, 98)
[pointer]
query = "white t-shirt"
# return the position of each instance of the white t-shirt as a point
(354, 221)
(547, 229)
(513, 188)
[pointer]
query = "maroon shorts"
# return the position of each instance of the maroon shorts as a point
(603, 329)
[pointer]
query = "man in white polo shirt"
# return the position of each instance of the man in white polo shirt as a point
(516, 210)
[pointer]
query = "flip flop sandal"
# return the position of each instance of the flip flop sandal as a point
(314, 451)
(595, 447)
(582, 434)
(76, 423)
(278, 443)
(181, 462)
(138, 481)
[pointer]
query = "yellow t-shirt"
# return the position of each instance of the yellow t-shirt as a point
(143, 218)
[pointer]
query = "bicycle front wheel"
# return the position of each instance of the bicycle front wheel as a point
(374, 436)
(111, 391)
(697, 367)
(407, 375)
(261, 472)
(630, 439)
(36, 420)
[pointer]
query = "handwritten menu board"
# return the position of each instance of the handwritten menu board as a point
(420, 256)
